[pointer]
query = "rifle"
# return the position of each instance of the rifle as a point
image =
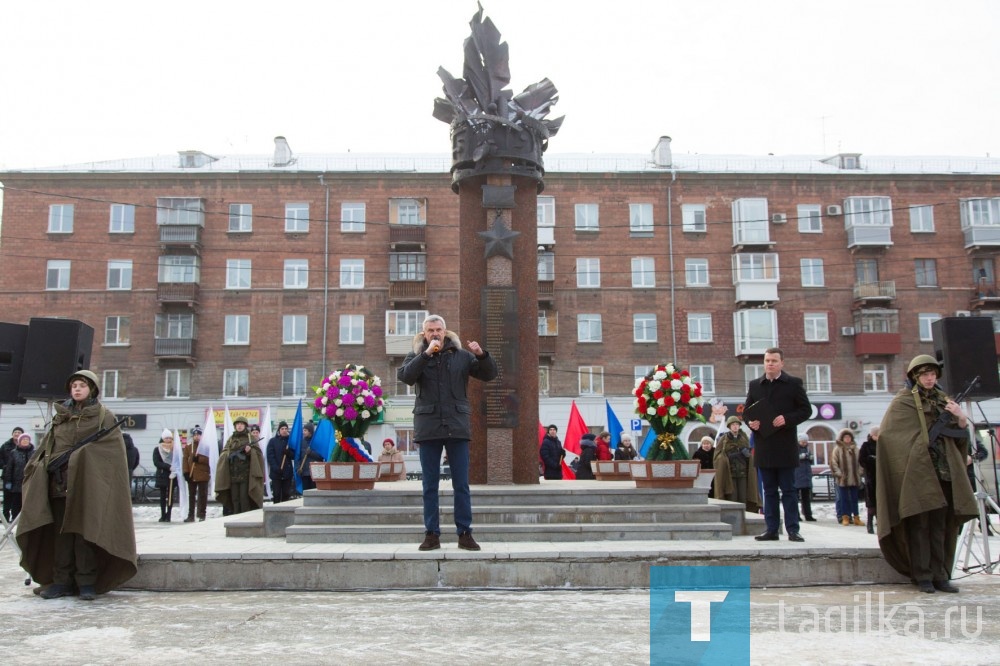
(57, 463)
(940, 426)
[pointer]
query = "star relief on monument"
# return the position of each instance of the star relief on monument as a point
(499, 239)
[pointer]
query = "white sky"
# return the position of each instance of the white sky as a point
(106, 79)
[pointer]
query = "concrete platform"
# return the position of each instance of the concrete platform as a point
(199, 556)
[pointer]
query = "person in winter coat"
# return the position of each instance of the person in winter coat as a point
(281, 465)
(705, 453)
(166, 476)
(603, 442)
(131, 453)
(735, 473)
(307, 456)
(552, 454)
(804, 477)
(197, 473)
(390, 454)
(5, 450)
(588, 453)
(76, 524)
(846, 470)
(625, 450)
(866, 458)
(439, 368)
(13, 473)
(239, 478)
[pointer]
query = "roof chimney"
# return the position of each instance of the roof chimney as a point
(282, 152)
(662, 156)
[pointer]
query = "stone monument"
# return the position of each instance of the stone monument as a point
(497, 143)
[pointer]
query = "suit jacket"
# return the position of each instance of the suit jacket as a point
(787, 396)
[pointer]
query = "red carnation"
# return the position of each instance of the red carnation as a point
(658, 394)
(661, 411)
(697, 390)
(682, 412)
(698, 409)
(669, 401)
(685, 373)
(676, 375)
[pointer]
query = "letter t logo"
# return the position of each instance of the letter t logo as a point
(701, 610)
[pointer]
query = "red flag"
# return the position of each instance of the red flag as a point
(541, 434)
(574, 432)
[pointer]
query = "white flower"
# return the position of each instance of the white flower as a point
(675, 384)
(380, 406)
(673, 410)
(354, 380)
(638, 381)
(659, 374)
(365, 414)
(660, 401)
(651, 411)
(654, 386)
(694, 402)
(670, 369)
(325, 400)
(676, 395)
(338, 402)
(326, 386)
(360, 400)
(339, 412)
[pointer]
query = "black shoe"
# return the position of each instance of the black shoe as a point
(466, 542)
(189, 519)
(431, 541)
(926, 586)
(795, 536)
(945, 586)
(767, 536)
(87, 593)
(55, 591)
(810, 519)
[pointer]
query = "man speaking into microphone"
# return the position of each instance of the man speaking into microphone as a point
(440, 368)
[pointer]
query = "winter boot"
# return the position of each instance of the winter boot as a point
(871, 519)
(858, 521)
(845, 520)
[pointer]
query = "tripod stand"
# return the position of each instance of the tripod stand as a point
(967, 540)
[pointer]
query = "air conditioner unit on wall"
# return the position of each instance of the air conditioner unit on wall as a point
(834, 209)
(962, 313)
(847, 331)
(779, 218)
(854, 425)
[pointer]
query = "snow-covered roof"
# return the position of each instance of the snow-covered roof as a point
(554, 163)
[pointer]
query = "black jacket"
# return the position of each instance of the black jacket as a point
(162, 468)
(588, 452)
(786, 396)
(305, 449)
(551, 454)
(276, 450)
(441, 409)
(13, 471)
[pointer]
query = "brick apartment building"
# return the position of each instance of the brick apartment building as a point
(241, 280)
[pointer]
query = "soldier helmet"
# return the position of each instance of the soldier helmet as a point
(921, 363)
(241, 419)
(95, 387)
(733, 419)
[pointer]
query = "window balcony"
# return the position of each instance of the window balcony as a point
(184, 293)
(398, 345)
(882, 292)
(878, 344)
(547, 345)
(546, 292)
(180, 235)
(407, 291)
(985, 295)
(401, 235)
(174, 349)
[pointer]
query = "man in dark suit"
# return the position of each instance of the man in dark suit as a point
(782, 398)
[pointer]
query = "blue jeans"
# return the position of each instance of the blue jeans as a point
(775, 479)
(847, 501)
(430, 463)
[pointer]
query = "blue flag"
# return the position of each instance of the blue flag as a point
(295, 444)
(647, 443)
(322, 441)
(614, 426)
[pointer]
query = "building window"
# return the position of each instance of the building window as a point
(407, 267)
(294, 329)
(235, 383)
(296, 273)
(588, 328)
(751, 371)
(61, 219)
(546, 211)
(240, 217)
(926, 272)
(404, 322)
(755, 330)
(119, 275)
(812, 272)
(591, 379)
(866, 271)
(352, 273)
(543, 380)
(699, 327)
(750, 221)
(693, 218)
(237, 273)
(817, 327)
(818, 379)
(925, 319)
(705, 375)
(174, 327)
(921, 219)
(352, 217)
(352, 329)
(875, 378)
(696, 272)
(588, 273)
(122, 219)
(57, 275)
(293, 382)
(397, 388)
(643, 272)
(586, 216)
(810, 218)
(980, 212)
(546, 266)
(296, 218)
(113, 385)
(641, 371)
(116, 330)
(177, 383)
(640, 219)
(407, 211)
(237, 330)
(179, 269)
(644, 327)
(872, 211)
(548, 322)
(180, 211)
(755, 267)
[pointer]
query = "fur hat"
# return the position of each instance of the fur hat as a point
(282, 424)
(196, 430)
(310, 426)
